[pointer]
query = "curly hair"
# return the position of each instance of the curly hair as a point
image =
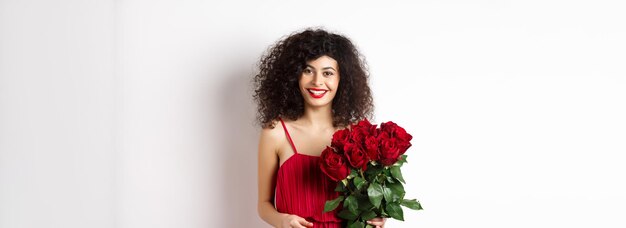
(276, 84)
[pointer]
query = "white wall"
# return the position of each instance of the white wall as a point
(139, 113)
(58, 114)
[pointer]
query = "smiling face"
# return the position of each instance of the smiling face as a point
(319, 81)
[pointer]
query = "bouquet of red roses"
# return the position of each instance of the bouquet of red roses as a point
(365, 161)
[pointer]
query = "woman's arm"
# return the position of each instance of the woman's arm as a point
(268, 167)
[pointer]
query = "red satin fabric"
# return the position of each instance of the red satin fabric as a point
(302, 189)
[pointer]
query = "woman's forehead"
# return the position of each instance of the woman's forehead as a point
(322, 62)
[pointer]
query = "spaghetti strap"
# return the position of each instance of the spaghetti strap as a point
(288, 136)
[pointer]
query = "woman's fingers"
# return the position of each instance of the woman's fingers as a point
(306, 223)
(378, 222)
(301, 223)
(296, 224)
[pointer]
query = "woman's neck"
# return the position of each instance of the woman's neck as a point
(318, 117)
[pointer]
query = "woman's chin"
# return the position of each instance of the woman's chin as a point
(318, 104)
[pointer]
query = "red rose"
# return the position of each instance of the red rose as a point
(371, 148)
(334, 165)
(357, 135)
(389, 150)
(356, 156)
(365, 127)
(403, 138)
(404, 146)
(360, 131)
(340, 138)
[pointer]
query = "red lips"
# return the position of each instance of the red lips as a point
(317, 93)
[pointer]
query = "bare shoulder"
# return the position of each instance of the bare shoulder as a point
(270, 137)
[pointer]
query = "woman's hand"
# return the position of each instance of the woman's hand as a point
(377, 222)
(294, 221)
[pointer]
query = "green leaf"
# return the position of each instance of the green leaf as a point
(359, 182)
(332, 204)
(381, 179)
(364, 203)
(396, 173)
(391, 180)
(373, 171)
(347, 214)
(368, 215)
(356, 224)
(397, 190)
(340, 187)
(412, 204)
(395, 211)
(401, 160)
(387, 194)
(383, 213)
(352, 204)
(375, 193)
(353, 173)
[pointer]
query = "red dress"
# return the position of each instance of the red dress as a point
(302, 189)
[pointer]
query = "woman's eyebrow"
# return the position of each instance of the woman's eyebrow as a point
(322, 68)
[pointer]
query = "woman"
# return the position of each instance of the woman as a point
(310, 84)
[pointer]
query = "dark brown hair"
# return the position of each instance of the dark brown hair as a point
(276, 84)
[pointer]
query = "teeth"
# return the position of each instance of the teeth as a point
(317, 92)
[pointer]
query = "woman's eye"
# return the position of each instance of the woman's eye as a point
(307, 71)
(328, 73)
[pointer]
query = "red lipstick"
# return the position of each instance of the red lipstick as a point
(317, 93)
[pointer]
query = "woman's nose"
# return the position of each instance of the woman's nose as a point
(318, 79)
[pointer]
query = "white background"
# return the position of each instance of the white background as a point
(139, 113)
